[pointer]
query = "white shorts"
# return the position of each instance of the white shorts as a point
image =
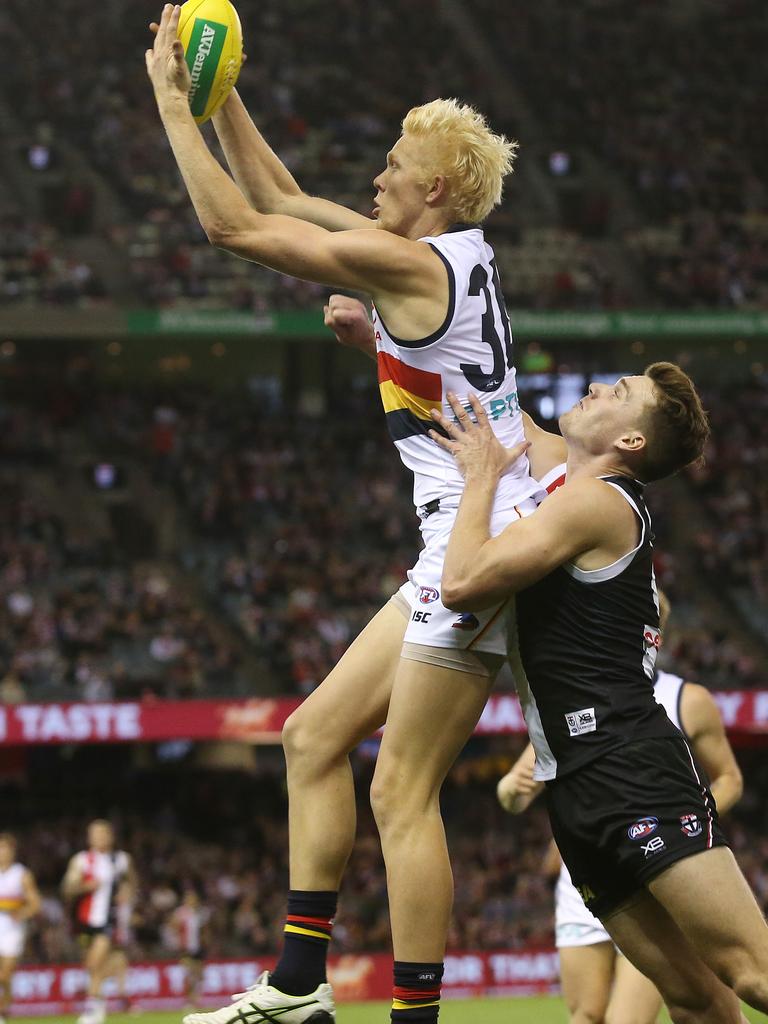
(11, 939)
(574, 924)
(431, 624)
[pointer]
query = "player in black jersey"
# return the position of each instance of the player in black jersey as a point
(631, 813)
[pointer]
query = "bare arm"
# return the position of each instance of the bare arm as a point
(73, 885)
(517, 789)
(547, 450)
(552, 861)
(701, 720)
(265, 181)
(379, 263)
(32, 901)
(132, 881)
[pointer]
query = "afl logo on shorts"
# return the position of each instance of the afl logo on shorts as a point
(427, 595)
(642, 827)
(691, 826)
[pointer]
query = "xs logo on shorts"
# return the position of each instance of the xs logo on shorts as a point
(654, 846)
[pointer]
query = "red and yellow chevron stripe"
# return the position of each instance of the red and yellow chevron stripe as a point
(408, 395)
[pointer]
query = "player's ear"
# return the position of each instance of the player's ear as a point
(632, 441)
(437, 189)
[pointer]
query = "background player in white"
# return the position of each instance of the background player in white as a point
(19, 901)
(440, 325)
(666, 887)
(598, 984)
(92, 880)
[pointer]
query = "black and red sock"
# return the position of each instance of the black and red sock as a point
(416, 992)
(307, 935)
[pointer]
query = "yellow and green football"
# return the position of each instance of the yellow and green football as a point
(213, 46)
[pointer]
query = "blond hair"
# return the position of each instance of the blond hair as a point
(462, 148)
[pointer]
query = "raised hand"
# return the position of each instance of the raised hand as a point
(349, 321)
(477, 450)
(166, 66)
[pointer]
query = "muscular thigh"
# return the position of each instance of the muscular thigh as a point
(432, 713)
(652, 941)
(354, 696)
(98, 952)
(708, 897)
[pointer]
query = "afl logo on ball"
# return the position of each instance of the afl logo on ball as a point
(642, 827)
(691, 826)
(427, 595)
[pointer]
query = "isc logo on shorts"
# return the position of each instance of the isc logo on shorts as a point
(579, 722)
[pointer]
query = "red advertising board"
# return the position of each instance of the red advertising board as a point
(259, 720)
(359, 978)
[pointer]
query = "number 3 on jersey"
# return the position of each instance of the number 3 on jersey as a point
(502, 350)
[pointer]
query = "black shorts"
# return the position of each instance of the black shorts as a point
(86, 933)
(626, 817)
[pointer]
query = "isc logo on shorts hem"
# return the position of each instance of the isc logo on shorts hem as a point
(579, 722)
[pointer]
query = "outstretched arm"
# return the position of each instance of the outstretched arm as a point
(379, 263)
(703, 724)
(547, 449)
(584, 517)
(517, 789)
(264, 179)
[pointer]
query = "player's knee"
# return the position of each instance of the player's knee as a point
(398, 801)
(751, 985)
(300, 738)
(308, 745)
(587, 1014)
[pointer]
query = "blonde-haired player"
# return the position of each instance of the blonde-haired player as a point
(598, 983)
(439, 326)
(92, 881)
(19, 901)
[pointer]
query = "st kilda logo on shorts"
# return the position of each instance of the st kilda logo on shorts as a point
(427, 595)
(642, 827)
(690, 825)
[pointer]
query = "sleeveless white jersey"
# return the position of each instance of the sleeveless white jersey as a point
(470, 352)
(11, 893)
(668, 691)
(96, 909)
(574, 924)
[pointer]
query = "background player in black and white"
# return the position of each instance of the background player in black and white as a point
(440, 325)
(92, 881)
(633, 820)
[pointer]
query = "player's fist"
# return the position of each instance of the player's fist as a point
(348, 319)
(517, 788)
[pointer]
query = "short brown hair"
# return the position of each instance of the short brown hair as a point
(9, 838)
(676, 427)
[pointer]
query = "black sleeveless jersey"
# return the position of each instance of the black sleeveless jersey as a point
(585, 653)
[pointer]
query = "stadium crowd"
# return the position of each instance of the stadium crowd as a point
(697, 208)
(688, 152)
(289, 533)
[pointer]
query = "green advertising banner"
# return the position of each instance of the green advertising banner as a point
(626, 324)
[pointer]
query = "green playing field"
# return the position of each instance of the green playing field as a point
(473, 1011)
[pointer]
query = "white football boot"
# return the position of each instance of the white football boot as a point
(95, 1012)
(263, 1004)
